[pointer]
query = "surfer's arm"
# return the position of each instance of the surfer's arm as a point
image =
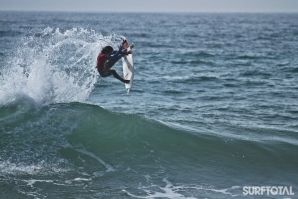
(116, 54)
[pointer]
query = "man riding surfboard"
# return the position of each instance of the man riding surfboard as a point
(107, 58)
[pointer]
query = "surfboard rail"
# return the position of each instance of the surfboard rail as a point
(128, 68)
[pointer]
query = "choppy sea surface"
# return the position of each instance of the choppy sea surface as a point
(213, 107)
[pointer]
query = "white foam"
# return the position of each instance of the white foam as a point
(32, 182)
(55, 67)
(170, 191)
(8, 167)
(82, 179)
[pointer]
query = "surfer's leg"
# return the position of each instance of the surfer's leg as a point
(109, 64)
(105, 74)
(115, 74)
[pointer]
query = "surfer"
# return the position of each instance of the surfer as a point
(107, 59)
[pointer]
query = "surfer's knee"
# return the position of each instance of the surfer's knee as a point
(105, 74)
(113, 71)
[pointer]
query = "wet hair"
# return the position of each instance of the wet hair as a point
(107, 49)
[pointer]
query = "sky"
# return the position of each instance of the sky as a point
(151, 5)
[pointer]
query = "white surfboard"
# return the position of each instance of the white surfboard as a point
(128, 68)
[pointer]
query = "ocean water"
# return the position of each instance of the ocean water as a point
(213, 107)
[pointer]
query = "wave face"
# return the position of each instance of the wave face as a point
(213, 107)
(75, 149)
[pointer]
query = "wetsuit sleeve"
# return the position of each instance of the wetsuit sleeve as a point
(116, 54)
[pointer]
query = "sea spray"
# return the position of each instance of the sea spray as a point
(53, 66)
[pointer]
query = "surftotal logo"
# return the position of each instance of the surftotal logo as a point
(268, 190)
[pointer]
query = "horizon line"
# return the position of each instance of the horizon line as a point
(161, 12)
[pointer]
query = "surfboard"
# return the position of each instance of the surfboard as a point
(127, 65)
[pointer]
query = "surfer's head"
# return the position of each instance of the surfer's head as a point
(107, 50)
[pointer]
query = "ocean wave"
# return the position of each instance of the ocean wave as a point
(87, 143)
